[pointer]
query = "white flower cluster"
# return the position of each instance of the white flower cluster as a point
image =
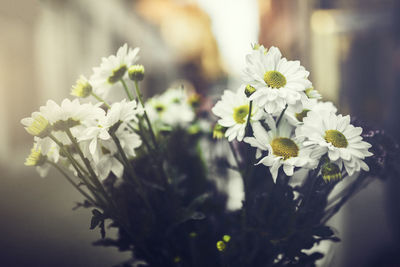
(290, 126)
(86, 136)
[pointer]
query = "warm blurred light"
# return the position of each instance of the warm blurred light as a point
(323, 22)
(186, 29)
(235, 25)
(326, 53)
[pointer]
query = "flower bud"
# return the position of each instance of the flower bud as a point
(136, 72)
(330, 172)
(249, 90)
(82, 88)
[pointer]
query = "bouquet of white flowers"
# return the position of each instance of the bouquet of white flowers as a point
(140, 164)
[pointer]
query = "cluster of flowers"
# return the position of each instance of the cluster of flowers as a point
(100, 135)
(277, 111)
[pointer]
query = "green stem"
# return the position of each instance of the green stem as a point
(139, 95)
(88, 197)
(131, 170)
(247, 129)
(92, 176)
(100, 99)
(280, 116)
(130, 96)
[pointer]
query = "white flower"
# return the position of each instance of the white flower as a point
(43, 151)
(108, 164)
(296, 118)
(326, 132)
(71, 113)
(112, 70)
(233, 110)
(171, 108)
(277, 81)
(121, 112)
(36, 125)
(283, 148)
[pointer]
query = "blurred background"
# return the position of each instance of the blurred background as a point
(351, 48)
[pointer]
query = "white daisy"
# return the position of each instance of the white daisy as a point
(296, 118)
(171, 108)
(326, 132)
(71, 113)
(277, 81)
(283, 148)
(233, 110)
(112, 70)
(121, 112)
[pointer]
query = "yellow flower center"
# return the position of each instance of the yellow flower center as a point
(336, 138)
(39, 126)
(300, 116)
(35, 158)
(274, 79)
(117, 74)
(284, 147)
(240, 114)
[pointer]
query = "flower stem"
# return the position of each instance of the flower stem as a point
(100, 99)
(247, 129)
(280, 116)
(139, 95)
(88, 197)
(130, 96)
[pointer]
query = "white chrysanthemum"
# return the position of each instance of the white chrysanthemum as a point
(283, 148)
(233, 110)
(277, 81)
(112, 70)
(171, 108)
(296, 118)
(71, 113)
(36, 125)
(326, 132)
(121, 112)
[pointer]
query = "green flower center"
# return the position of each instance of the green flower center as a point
(117, 74)
(240, 113)
(336, 138)
(274, 79)
(159, 108)
(300, 116)
(284, 147)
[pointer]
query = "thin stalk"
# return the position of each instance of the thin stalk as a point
(131, 170)
(139, 95)
(100, 99)
(280, 116)
(128, 93)
(88, 197)
(92, 176)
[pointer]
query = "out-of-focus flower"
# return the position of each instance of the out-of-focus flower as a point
(171, 108)
(112, 69)
(277, 81)
(326, 132)
(233, 110)
(82, 88)
(36, 125)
